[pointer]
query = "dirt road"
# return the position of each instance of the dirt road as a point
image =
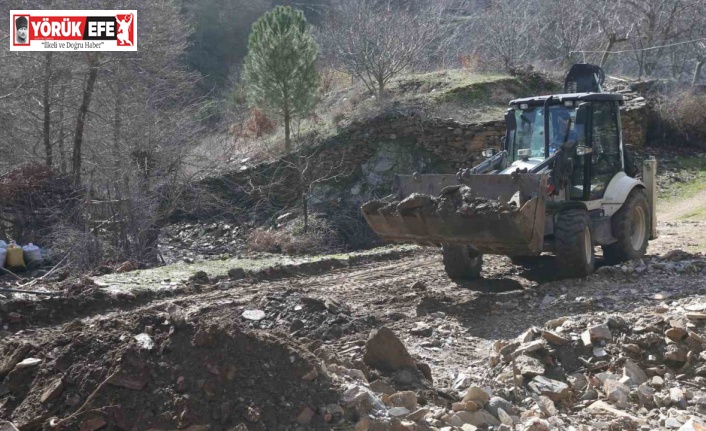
(447, 325)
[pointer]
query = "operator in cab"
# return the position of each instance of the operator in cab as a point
(563, 132)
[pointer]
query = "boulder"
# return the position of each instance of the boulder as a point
(478, 418)
(385, 351)
(476, 394)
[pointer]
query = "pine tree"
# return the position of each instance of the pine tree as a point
(280, 73)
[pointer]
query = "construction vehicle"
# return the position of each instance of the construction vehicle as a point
(561, 182)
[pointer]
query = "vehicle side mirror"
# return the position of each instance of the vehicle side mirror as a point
(510, 121)
(489, 152)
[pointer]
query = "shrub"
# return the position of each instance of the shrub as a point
(259, 124)
(684, 119)
(34, 198)
(291, 239)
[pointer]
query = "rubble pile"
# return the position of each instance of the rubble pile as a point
(190, 241)
(459, 200)
(645, 373)
(674, 262)
(306, 316)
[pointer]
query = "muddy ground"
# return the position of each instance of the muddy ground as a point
(285, 349)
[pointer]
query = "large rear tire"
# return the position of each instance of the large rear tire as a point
(574, 243)
(631, 227)
(461, 261)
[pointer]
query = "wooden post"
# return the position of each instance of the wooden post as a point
(649, 177)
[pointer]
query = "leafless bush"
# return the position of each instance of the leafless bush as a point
(684, 118)
(318, 238)
(34, 198)
(76, 249)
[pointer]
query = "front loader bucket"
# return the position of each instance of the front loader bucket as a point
(496, 214)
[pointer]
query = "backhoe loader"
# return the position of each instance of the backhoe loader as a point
(561, 182)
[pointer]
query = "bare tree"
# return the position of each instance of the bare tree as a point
(509, 33)
(613, 24)
(375, 40)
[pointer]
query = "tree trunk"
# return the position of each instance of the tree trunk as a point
(697, 71)
(381, 89)
(117, 121)
(47, 109)
(93, 62)
(287, 132)
(606, 53)
(305, 207)
(62, 152)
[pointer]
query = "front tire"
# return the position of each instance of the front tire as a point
(574, 243)
(631, 227)
(461, 261)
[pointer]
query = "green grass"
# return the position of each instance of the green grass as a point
(692, 171)
(170, 276)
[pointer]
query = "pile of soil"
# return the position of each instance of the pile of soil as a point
(158, 371)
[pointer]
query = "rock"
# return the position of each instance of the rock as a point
(672, 423)
(53, 391)
(657, 382)
(677, 398)
(422, 329)
(555, 390)
(7, 426)
(547, 406)
(600, 333)
(362, 398)
(470, 406)
(478, 418)
(381, 387)
(529, 367)
(554, 338)
(586, 338)
(510, 348)
(555, 323)
(406, 399)
(578, 381)
(505, 418)
(304, 417)
(696, 316)
(468, 427)
(425, 369)
(398, 412)
(692, 425)
(616, 392)
(675, 355)
(461, 381)
(602, 406)
(92, 424)
(645, 394)
(676, 334)
(536, 424)
(144, 341)
(255, 315)
(28, 363)
(476, 394)
(634, 372)
(418, 414)
(530, 347)
(496, 403)
(363, 424)
(385, 351)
